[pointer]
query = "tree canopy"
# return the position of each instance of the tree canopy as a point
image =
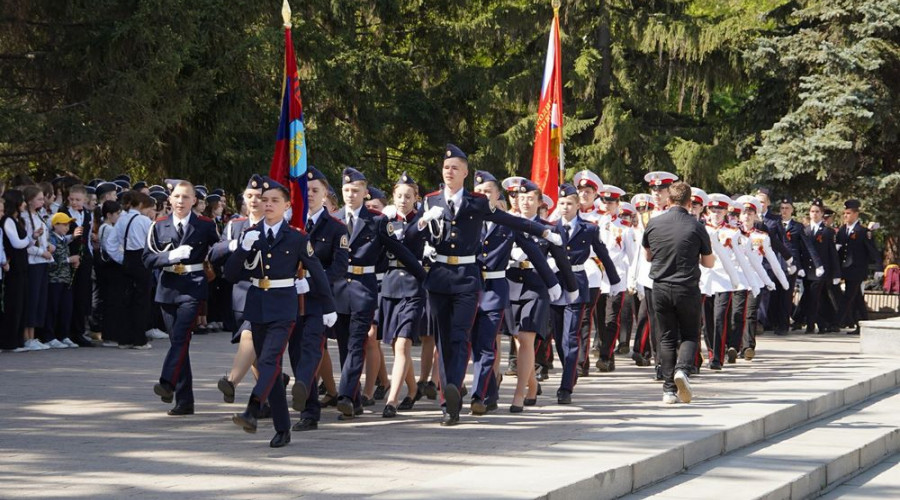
(801, 95)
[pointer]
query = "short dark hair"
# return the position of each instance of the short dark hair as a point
(680, 194)
(110, 207)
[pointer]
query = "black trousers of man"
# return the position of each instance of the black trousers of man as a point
(853, 305)
(676, 310)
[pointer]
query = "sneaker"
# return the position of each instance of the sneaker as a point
(110, 343)
(156, 334)
(69, 343)
(40, 346)
(56, 344)
(120, 346)
(749, 353)
(142, 347)
(669, 398)
(21, 349)
(684, 386)
(731, 355)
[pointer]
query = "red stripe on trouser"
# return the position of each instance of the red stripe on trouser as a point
(612, 344)
(725, 324)
(277, 372)
(176, 373)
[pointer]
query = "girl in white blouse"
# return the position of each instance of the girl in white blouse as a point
(40, 255)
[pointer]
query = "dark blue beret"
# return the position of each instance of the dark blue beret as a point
(481, 177)
(350, 174)
(452, 151)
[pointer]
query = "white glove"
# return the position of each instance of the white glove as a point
(232, 245)
(554, 238)
(429, 252)
(552, 263)
(801, 273)
(250, 237)
(791, 269)
(180, 253)
(735, 283)
(555, 292)
(329, 319)
(784, 284)
(770, 286)
(873, 226)
(838, 247)
(301, 285)
(389, 211)
(820, 271)
(432, 214)
(836, 281)
(572, 296)
(755, 291)
(640, 292)
(518, 255)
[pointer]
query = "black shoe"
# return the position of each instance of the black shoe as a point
(449, 420)
(305, 424)
(540, 390)
(328, 400)
(322, 389)
(165, 392)
(563, 397)
(181, 410)
(286, 379)
(420, 390)
(623, 349)
(200, 330)
(389, 411)
(431, 390)
(298, 396)
(265, 412)
(584, 372)
(516, 409)
(811, 331)
(280, 440)
(380, 392)
(491, 407)
(640, 360)
(715, 365)
(731, 355)
(606, 366)
(544, 374)
(356, 412)
(406, 404)
(453, 400)
(530, 402)
(478, 407)
(854, 331)
(781, 332)
(368, 401)
(659, 375)
(463, 391)
(227, 388)
(246, 421)
(345, 406)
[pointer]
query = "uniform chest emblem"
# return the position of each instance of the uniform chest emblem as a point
(345, 242)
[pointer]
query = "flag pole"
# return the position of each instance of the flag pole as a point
(561, 155)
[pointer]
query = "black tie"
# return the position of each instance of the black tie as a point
(452, 210)
(270, 238)
(309, 224)
(180, 231)
(350, 223)
(567, 228)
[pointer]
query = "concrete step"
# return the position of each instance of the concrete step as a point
(617, 453)
(880, 482)
(798, 464)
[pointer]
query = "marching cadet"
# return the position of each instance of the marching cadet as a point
(800, 245)
(772, 307)
(822, 239)
(331, 245)
(454, 218)
(717, 283)
(643, 349)
(178, 245)
(619, 241)
(357, 294)
(588, 185)
(402, 300)
(856, 251)
(582, 240)
(761, 248)
(278, 258)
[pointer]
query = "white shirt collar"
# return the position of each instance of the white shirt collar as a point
(274, 228)
(851, 227)
(455, 198)
(354, 213)
(176, 220)
(315, 216)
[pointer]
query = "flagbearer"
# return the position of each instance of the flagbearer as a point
(278, 257)
(178, 245)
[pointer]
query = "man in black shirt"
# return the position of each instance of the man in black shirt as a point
(676, 245)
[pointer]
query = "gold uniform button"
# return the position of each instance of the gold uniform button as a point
(568, 248)
(484, 254)
(349, 280)
(486, 242)
(453, 223)
(452, 245)
(268, 256)
(267, 266)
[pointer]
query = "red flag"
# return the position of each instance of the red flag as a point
(548, 162)
(289, 161)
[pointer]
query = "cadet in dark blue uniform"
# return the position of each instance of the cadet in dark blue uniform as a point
(276, 256)
(455, 219)
(806, 259)
(580, 238)
(357, 294)
(331, 244)
(822, 240)
(402, 300)
(241, 335)
(178, 244)
(856, 251)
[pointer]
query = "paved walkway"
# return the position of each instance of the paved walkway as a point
(85, 424)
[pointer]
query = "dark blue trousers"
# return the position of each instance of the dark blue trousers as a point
(352, 332)
(484, 352)
(305, 352)
(567, 334)
(269, 341)
(176, 370)
(454, 316)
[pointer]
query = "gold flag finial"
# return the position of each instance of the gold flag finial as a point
(286, 13)
(554, 3)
